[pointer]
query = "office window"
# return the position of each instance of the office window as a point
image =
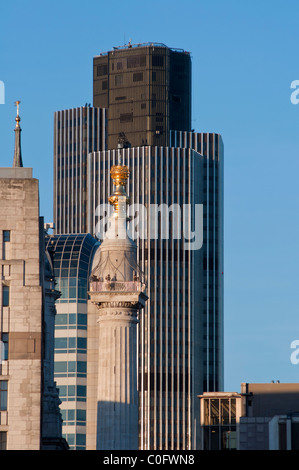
(60, 367)
(81, 390)
(3, 440)
(81, 415)
(6, 240)
(81, 439)
(118, 79)
(126, 117)
(157, 61)
(6, 235)
(5, 296)
(3, 395)
(4, 347)
(136, 61)
(138, 77)
(70, 439)
(102, 70)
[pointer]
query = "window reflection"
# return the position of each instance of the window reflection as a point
(219, 423)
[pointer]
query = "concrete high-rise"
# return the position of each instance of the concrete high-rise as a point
(146, 89)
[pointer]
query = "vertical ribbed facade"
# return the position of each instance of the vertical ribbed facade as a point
(210, 145)
(77, 132)
(170, 368)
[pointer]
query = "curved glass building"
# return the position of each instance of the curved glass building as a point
(72, 259)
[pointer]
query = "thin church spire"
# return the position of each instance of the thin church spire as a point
(17, 160)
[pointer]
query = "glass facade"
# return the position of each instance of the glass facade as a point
(220, 423)
(72, 257)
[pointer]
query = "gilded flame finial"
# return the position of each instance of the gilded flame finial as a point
(119, 174)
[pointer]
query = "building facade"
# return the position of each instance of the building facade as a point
(181, 328)
(210, 146)
(72, 259)
(220, 420)
(263, 416)
(77, 132)
(30, 417)
(271, 416)
(147, 91)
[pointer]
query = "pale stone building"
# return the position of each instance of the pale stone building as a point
(30, 418)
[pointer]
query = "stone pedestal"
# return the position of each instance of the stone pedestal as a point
(117, 381)
(117, 391)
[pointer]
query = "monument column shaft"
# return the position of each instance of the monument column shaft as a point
(117, 395)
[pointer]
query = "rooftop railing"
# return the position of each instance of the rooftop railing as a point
(116, 286)
(145, 44)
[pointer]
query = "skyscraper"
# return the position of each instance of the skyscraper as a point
(181, 328)
(210, 145)
(180, 173)
(77, 132)
(147, 90)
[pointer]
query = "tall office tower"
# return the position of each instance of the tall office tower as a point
(117, 294)
(147, 91)
(211, 147)
(72, 260)
(169, 181)
(30, 418)
(181, 328)
(77, 132)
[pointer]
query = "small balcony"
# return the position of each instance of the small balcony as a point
(116, 286)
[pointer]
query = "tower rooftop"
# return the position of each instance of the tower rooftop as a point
(143, 44)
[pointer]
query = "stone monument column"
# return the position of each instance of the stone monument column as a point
(117, 380)
(118, 291)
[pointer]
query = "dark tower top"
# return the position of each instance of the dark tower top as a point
(147, 91)
(17, 159)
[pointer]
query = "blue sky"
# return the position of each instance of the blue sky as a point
(244, 59)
